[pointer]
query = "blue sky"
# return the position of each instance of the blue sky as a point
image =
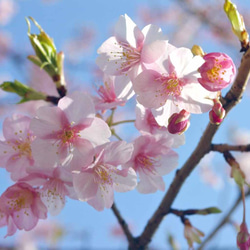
(60, 19)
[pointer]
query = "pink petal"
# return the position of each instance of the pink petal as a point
(104, 198)
(127, 31)
(48, 121)
(146, 87)
(16, 127)
(117, 153)
(150, 183)
(124, 180)
(77, 106)
(84, 185)
(98, 133)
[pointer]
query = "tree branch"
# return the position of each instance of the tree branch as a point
(226, 147)
(123, 224)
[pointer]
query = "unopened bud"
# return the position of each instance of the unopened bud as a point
(243, 237)
(237, 22)
(197, 50)
(45, 50)
(23, 91)
(217, 114)
(178, 123)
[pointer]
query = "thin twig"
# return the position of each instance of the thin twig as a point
(224, 220)
(126, 121)
(123, 224)
(226, 147)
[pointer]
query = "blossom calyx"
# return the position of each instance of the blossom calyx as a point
(178, 123)
(192, 234)
(217, 114)
(243, 237)
(237, 22)
(217, 72)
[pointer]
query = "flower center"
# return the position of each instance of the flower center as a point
(128, 56)
(170, 85)
(145, 162)
(214, 73)
(107, 92)
(20, 201)
(102, 176)
(68, 135)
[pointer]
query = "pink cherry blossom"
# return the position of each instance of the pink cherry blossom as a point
(115, 91)
(146, 124)
(217, 72)
(68, 133)
(130, 48)
(173, 86)
(152, 159)
(54, 183)
(97, 182)
(15, 151)
(21, 208)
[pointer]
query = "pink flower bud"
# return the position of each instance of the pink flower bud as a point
(217, 72)
(179, 123)
(243, 237)
(217, 114)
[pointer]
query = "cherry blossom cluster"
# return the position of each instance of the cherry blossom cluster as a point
(67, 150)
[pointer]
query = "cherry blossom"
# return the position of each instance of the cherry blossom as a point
(115, 91)
(151, 159)
(130, 49)
(96, 183)
(54, 183)
(15, 151)
(173, 86)
(68, 133)
(146, 124)
(21, 208)
(217, 72)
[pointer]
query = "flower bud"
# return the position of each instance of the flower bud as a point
(243, 237)
(179, 123)
(45, 50)
(197, 50)
(22, 90)
(217, 72)
(217, 114)
(237, 22)
(192, 234)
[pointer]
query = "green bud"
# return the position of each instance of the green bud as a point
(43, 45)
(210, 210)
(237, 22)
(238, 175)
(23, 91)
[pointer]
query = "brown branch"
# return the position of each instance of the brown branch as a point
(226, 147)
(231, 99)
(123, 224)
